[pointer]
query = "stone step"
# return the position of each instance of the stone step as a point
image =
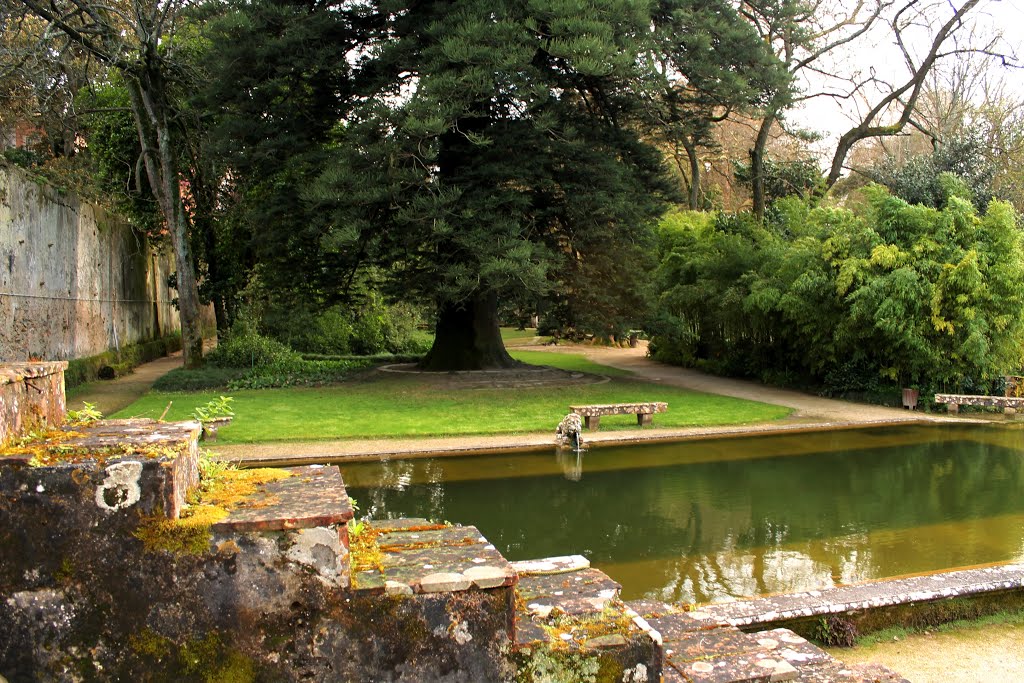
(415, 556)
(124, 462)
(313, 496)
(569, 612)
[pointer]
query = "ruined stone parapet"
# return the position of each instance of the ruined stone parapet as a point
(31, 397)
(99, 582)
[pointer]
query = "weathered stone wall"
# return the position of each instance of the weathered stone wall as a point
(97, 583)
(75, 280)
(31, 396)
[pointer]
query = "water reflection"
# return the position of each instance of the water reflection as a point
(699, 522)
(571, 463)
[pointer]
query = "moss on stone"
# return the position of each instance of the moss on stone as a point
(221, 490)
(543, 665)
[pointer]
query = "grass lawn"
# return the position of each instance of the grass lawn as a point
(387, 405)
(573, 362)
(513, 337)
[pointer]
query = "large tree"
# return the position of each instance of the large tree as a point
(477, 149)
(135, 40)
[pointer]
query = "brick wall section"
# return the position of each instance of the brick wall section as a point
(31, 396)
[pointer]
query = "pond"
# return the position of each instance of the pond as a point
(708, 520)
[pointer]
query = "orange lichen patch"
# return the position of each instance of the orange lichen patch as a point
(220, 491)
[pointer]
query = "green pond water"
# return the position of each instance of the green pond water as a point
(707, 520)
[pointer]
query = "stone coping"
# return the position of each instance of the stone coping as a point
(963, 583)
(313, 496)
(11, 373)
(371, 450)
(418, 556)
(106, 440)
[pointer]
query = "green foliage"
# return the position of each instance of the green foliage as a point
(368, 327)
(82, 370)
(246, 348)
(960, 167)
(801, 178)
(298, 374)
(856, 301)
(214, 409)
(197, 379)
(88, 413)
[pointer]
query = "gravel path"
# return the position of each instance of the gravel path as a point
(972, 654)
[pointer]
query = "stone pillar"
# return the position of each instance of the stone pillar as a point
(31, 397)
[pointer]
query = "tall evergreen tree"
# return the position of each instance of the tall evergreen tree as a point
(482, 149)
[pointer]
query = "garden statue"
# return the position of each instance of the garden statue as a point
(569, 432)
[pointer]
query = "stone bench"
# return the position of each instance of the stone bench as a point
(1009, 404)
(644, 412)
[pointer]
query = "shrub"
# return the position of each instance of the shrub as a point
(82, 370)
(244, 348)
(198, 379)
(372, 327)
(300, 374)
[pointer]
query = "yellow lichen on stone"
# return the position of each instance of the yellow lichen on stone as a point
(222, 489)
(364, 551)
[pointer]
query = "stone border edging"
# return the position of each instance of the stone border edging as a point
(958, 583)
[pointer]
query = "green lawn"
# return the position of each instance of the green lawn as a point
(409, 406)
(573, 362)
(513, 337)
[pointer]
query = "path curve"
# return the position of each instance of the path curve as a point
(807, 406)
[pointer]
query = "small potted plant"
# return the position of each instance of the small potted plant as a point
(213, 415)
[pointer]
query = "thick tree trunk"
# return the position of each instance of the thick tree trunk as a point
(467, 337)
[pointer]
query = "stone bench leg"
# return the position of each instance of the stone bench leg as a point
(952, 408)
(592, 422)
(644, 419)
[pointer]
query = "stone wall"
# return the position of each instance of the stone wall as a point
(100, 582)
(75, 279)
(31, 396)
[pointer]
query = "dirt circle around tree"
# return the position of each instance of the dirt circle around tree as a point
(525, 377)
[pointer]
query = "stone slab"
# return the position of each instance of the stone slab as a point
(872, 595)
(314, 496)
(688, 646)
(794, 648)
(739, 668)
(432, 558)
(121, 456)
(837, 672)
(586, 591)
(552, 565)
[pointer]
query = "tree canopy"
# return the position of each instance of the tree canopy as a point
(474, 150)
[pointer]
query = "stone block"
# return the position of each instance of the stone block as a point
(31, 398)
